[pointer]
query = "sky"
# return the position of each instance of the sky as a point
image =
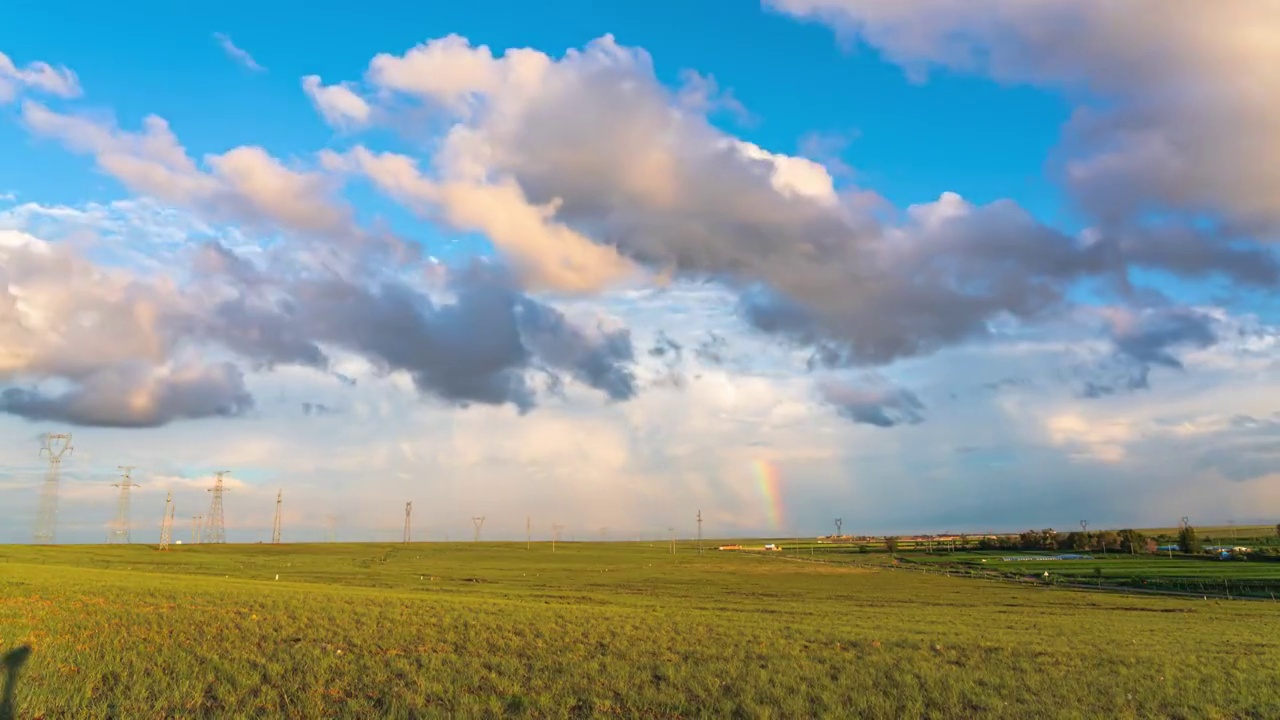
(939, 266)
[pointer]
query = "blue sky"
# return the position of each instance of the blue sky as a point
(914, 258)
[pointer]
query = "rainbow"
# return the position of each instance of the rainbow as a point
(769, 480)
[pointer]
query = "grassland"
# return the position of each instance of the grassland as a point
(601, 630)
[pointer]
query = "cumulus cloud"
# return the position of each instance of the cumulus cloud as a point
(38, 76)
(580, 165)
(245, 184)
(1175, 114)
(479, 339)
(135, 395)
(238, 54)
(546, 253)
(340, 106)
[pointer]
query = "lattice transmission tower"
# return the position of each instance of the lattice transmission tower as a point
(479, 523)
(699, 532)
(215, 527)
(275, 526)
(408, 511)
(121, 532)
(56, 445)
(196, 526)
(166, 522)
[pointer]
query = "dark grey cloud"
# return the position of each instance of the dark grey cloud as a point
(1196, 253)
(1153, 335)
(600, 358)
(939, 280)
(1143, 340)
(479, 346)
(134, 395)
(873, 404)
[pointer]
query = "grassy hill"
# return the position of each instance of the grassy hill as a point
(600, 630)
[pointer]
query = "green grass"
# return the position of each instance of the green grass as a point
(601, 630)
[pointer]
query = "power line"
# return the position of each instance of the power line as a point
(121, 533)
(275, 526)
(56, 445)
(479, 523)
(166, 522)
(408, 510)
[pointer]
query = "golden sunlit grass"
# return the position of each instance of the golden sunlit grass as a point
(600, 630)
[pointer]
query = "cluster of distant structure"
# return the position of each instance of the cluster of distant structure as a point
(209, 527)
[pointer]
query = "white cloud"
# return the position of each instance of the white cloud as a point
(1175, 109)
(244, 184)
(239, 55)
(37, 75)
(340, 106)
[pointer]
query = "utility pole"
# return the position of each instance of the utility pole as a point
(528, 533)
(217, 530)
(408, 510)
(672, 532)
(166, 522)
(56, 445)
(123, 506)
(555, 536)
(196, 528)
(479, 523)
(699, 532)
(275, 526)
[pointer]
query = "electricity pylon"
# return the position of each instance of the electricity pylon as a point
(215, 529)
(528, 532)
(479, 523)
(332, 521)
(196, 527)
(56, 445)
(122, 533)
(275, 526)
(699, 532)
(408, 511)
(839, 527)
(672, 532)
(555, 536)
(166, 522)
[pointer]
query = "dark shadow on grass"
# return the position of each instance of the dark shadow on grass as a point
(12, 664)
